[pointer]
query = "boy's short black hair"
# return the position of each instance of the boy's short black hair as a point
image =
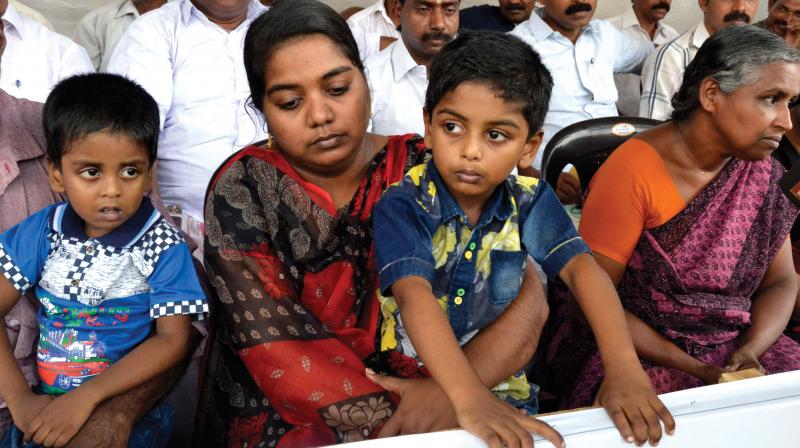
(503, 61)
(84, 104)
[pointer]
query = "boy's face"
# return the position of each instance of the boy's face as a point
(104, 176)
(477, 138)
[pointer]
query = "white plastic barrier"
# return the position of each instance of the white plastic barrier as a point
(759, 412)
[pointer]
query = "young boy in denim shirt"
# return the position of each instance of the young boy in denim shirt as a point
(107, 268)
(454, 235)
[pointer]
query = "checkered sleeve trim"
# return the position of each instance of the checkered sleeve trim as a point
(12, 272)
(156, 241)
(198, 309)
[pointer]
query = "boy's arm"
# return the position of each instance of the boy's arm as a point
(496, 353)
(626, 392)
(477, 409)
(23, 404)
(62, 419)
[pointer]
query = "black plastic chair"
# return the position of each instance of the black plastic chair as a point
(587, 144)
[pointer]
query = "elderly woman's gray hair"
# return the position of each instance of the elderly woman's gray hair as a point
(733, 56)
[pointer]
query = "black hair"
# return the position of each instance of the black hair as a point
(506, 63)
(286, 20)
(733, 57)
(85, 104)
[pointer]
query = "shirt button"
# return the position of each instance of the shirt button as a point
(458, 300)
(90, 250)
(591, 61)
(472, 246)
(75, 283)
(461, 292)
(468, 255)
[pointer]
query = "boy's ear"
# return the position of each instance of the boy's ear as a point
(530, 149)
(55, 177)
(426, 117)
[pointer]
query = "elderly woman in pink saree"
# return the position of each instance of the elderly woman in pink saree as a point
(689, 223)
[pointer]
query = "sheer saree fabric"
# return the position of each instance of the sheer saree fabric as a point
(297, 305)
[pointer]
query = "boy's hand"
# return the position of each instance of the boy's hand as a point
(62, 419)
(500, 425)
(630, 401)
(26, 409)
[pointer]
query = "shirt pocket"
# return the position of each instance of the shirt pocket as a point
(506, 275)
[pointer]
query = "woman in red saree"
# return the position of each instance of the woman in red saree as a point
(289, 251)
(689, 222)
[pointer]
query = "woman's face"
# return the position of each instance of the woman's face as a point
(753, 118)
(316, 105)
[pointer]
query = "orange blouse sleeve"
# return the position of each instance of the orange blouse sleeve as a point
(631, 192)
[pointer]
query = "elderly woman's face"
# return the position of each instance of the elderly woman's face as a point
(753, 118)
(316, 104)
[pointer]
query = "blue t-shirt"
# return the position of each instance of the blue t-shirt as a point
(99, 296)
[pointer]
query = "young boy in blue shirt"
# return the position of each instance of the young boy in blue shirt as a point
(454, 235)
(115, 281)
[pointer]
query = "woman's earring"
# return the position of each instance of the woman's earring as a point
(269, 140)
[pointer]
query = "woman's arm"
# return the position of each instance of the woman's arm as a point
(652, 345)
(62, 418)
(773, 303)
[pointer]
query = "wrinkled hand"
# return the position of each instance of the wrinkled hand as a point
(568, 188)
(501, 425)
(26, 409)
(61, 419)
(423, 406)
(708, 373)
(634, 407)
(743, 359)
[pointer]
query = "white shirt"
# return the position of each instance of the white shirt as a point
(368, 25)
(629, 85)
(662, 74)
(100, 30)
(583, 73)
(36, 59)
(195, 71)
(397, 84)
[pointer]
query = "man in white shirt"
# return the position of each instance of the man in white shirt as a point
(398, 75)
(375, 27)
(642, 21)
(583, 55)
(100, 30)
(35, 58)
(662, 74)
(188, 55)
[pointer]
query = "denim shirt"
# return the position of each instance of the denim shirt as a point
(420, 230)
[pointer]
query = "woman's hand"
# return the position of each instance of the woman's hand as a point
(743, 359)
(501, 425)
(634, 407)
(423, 406)
(707, 373)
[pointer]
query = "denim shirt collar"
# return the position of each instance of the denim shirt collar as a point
(499, 206)
(72, 226)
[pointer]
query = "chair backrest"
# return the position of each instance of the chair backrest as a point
(587, 144)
